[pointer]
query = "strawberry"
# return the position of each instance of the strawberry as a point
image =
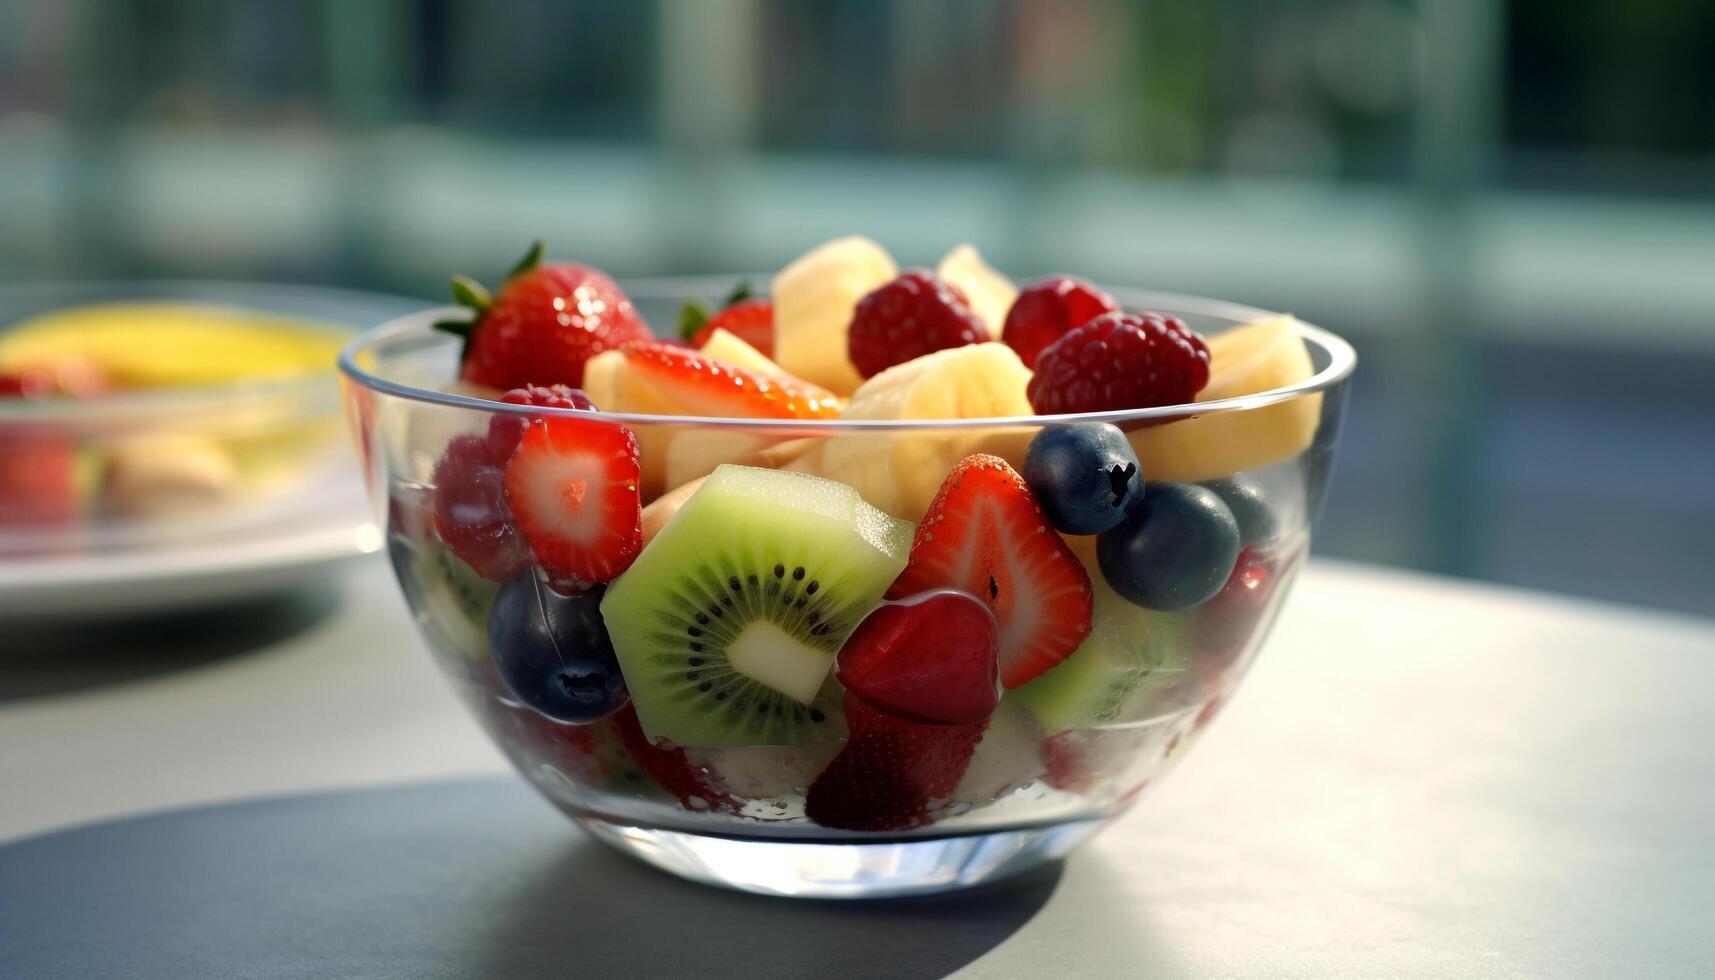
(890, 770)
(749, 318)
(572, 486)
(1083, 759)
(545, 323)
(929, 658)
(670, 768)
(471, 514)
(986, 535)
(574, 750)
(69, 377)
(1226, 622)
(38, 482)
(708, 387)
(1067, 767)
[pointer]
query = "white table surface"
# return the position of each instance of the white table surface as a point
(1421, 777)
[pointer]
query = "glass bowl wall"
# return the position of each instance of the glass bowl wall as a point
(1059, 758)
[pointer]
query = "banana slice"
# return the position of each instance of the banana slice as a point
(166, 475)
(724, 345)
(693, 456)
(899, 472)
(990, 293)
(813, 301)
(1258, 356)
(172, 344)
(657, 514)
(615, 388)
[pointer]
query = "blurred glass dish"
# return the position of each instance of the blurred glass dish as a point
(167, 443)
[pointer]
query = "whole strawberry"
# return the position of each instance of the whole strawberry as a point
(546, 321)
(1119, 361)
(913, 315)
(749, 318)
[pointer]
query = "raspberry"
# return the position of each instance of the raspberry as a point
(913, 315)
(1119, 361)
(504, 430)
(1047, 309)
(471, 515)
(549, 396)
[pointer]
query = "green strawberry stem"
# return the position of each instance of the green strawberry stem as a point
(467, 292)
(474, 296)
(696, 313)
(530, 261)
(692, 316)
(470, 294)
(738, 295)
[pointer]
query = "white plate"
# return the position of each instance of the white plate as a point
(191, 574)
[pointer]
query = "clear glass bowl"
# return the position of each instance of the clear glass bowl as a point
(131, 470)
(1052, 767)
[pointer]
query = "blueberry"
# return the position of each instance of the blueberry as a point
(1085, 476)
(1174, 551)
(554, 652)
(1257, 523)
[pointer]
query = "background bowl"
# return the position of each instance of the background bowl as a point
(151, 467)
(1057, 759)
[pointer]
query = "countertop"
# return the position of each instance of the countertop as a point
(1421, 777)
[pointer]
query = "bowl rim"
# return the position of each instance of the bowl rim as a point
(317, 384)
(1342, 360)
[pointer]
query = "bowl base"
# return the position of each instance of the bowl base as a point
(815, 869)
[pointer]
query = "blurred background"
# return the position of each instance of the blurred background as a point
(1508, 206)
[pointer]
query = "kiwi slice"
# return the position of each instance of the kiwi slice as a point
(1130, 668)
(727, 625)
(450, 595)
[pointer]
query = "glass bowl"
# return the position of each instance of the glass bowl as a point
(128, 471)
(1061, 756)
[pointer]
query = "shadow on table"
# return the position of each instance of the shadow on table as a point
(58, 656)
(597, 913)
(465, 878)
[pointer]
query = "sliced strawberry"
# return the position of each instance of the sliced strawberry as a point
(471, 514)
(670, 768)
(574, 750)
(750, 320)
(1068, 769)
(890, 770)
(708, 387)
(928, 658)
(504, 430)
(986, 535)
(1082, 759)
(572, 486)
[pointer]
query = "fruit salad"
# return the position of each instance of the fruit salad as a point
(96, 445)
(874, 613)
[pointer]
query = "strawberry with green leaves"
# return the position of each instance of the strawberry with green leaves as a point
(542, 325)
(749, 318)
